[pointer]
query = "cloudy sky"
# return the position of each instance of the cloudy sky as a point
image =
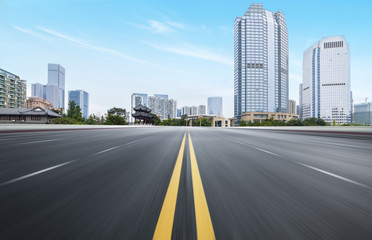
(180, 48)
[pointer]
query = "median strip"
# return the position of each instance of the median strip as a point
(204, 227)
(164, 226)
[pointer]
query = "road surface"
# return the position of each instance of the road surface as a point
(185, 183)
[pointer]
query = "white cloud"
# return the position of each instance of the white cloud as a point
(192, 51)
(35, 34)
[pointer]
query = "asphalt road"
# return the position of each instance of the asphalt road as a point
(185, 183)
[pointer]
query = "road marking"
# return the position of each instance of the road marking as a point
(50, 140)
(164, 226)
(336, 176)
(204, 227)
(257, 148)
(109, 149)
(35, 173)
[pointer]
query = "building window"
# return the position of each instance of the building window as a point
(35, 118)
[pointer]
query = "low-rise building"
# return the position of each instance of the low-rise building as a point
(262, 116)
(216, 121)
(33, 102)
(27, 115)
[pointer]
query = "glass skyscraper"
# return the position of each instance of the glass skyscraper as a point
(215, 106)
(326, 81)
(260, 62)
(56, 77)
(81, 98)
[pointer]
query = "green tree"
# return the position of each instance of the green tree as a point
(116, 116)
(74, 111)
(93, 120)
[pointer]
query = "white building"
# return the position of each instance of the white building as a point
(292, 106)
(301, 100)
(326, 81)
(215, 106)
(56, 77)
(202, 110)
(186, 110)
(37, 90)
(260, 62)
(163, 107)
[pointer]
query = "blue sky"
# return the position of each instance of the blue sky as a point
(180, 48)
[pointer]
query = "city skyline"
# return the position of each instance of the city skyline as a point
(169, 32)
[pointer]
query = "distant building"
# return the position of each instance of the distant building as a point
(33, 102)
(186, 110)
(262, 116)
(202, 110)
(161, 96)
(137, 99)
(363, 113)
(37, 90)
(163, 107)
(51, 94)
(298, 110)
(326, 81)
(81, 98)
(12, 90)
(26, 115)
(215, 106)
(56, 77)
(301, 101)
(260, 62)
(179, 113)
(194, 110)
(292, 106)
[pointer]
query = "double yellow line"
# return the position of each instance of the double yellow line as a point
(204, 227)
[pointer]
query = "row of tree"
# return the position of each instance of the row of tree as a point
(114, 116)
(292, 122)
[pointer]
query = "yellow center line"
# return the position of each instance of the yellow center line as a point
(204, 227)
(164, 226)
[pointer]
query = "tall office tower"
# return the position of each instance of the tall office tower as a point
(291, 106)
(12, 90)
(179, 113)
(260, 62)
(186, 110)
(137, 99)
(161, 96)
(202, 110)
(56, 77)
(51, 94)
(301, 101)
(81, 98)
(215, 106)
(37, 90)
(194, 110)
(326, 81)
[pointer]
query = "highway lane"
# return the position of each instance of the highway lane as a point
(257, 184)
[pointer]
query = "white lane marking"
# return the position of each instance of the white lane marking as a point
(257, 148)
(35, 173)
(42, 141)
(106, 150)
(336, 176)
(109, 149)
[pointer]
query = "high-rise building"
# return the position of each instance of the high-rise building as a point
(260, 62)
(194, 110)
(12, 90)
(161, 96)
(144, 98)
(363, 113)
(215, 106)
(37, 90)
(186, 110)
(326, 81)
(301, 100)
(56, 77)
(81, 98)
(202, 110)
(51, 94)
(137, 99)
(179, 113)
(163, 107)
(292, 106)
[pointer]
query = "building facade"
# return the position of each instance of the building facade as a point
(12, 90)
(56, 77)
(363, 113)
(37, 90)
(326, 81)
(161, 96)
(292, 106)
(163, 107)
(260, 62)
(202, 110)
(27, 115)
(186, 110)
(300, 93)
(33, 102)
(135, 100)
(81, 98)
(215, 106)
(262, 116)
